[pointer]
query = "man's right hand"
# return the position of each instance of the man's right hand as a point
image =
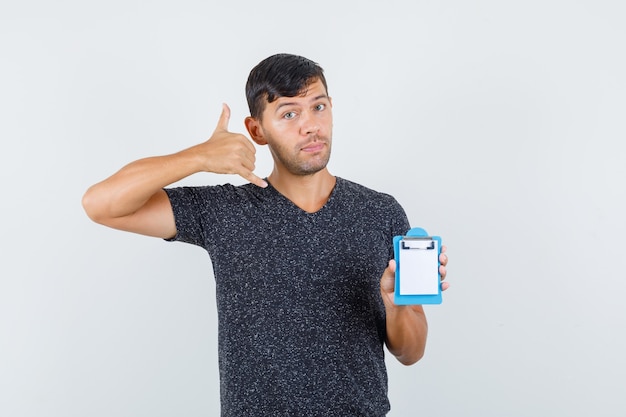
(230, 153)
(134, 199)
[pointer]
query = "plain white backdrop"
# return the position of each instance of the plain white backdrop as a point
(498, 125)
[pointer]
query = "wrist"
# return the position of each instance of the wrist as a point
(193, 160)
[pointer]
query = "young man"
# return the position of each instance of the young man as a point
(303, 311)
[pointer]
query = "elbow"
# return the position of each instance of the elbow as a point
(408, 354)
(91, 207)
(408, 343)
(411, 358)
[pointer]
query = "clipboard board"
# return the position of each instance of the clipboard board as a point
(417, 268)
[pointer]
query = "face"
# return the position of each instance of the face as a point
(298, 130)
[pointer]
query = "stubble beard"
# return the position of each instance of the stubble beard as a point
(296, 164)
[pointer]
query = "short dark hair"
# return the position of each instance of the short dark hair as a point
(280, 75)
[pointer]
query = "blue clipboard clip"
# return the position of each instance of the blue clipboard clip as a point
(417, 268)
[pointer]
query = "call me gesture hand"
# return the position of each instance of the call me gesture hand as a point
(133, 198)
(230, 153)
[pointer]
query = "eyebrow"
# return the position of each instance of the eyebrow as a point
(291, 103)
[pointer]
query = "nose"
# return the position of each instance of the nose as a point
(310, 124)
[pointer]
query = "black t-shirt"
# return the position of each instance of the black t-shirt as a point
(301, 319)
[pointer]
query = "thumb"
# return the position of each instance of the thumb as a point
(388, 280)
(222, 123)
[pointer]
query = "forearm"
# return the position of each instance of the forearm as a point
(407, 329)
(131, 187)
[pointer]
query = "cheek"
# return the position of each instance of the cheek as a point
(327, 124)
(327, 119)
(279, 128)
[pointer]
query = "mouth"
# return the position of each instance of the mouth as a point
(313, 147)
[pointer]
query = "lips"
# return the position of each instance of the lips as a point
(314, 147)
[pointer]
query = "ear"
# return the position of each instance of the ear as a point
(255, 130)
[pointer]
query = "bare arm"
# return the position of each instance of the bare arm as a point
(406, 325)
(133, 198)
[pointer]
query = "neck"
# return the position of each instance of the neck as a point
(309, 192)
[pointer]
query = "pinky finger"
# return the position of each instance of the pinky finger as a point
(255, 180)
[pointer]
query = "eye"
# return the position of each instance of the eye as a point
(320, 107)
(290, 115)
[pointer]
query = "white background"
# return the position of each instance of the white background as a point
(498, 125)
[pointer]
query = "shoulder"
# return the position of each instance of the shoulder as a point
(224, 191)
(351, 189)
(357, 198)
(217, 199)
(372, 206)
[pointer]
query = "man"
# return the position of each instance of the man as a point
(302, 259)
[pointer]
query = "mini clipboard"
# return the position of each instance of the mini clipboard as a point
(417, 268)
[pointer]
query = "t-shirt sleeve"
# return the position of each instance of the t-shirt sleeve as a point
(188, 214)
(399, 222)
